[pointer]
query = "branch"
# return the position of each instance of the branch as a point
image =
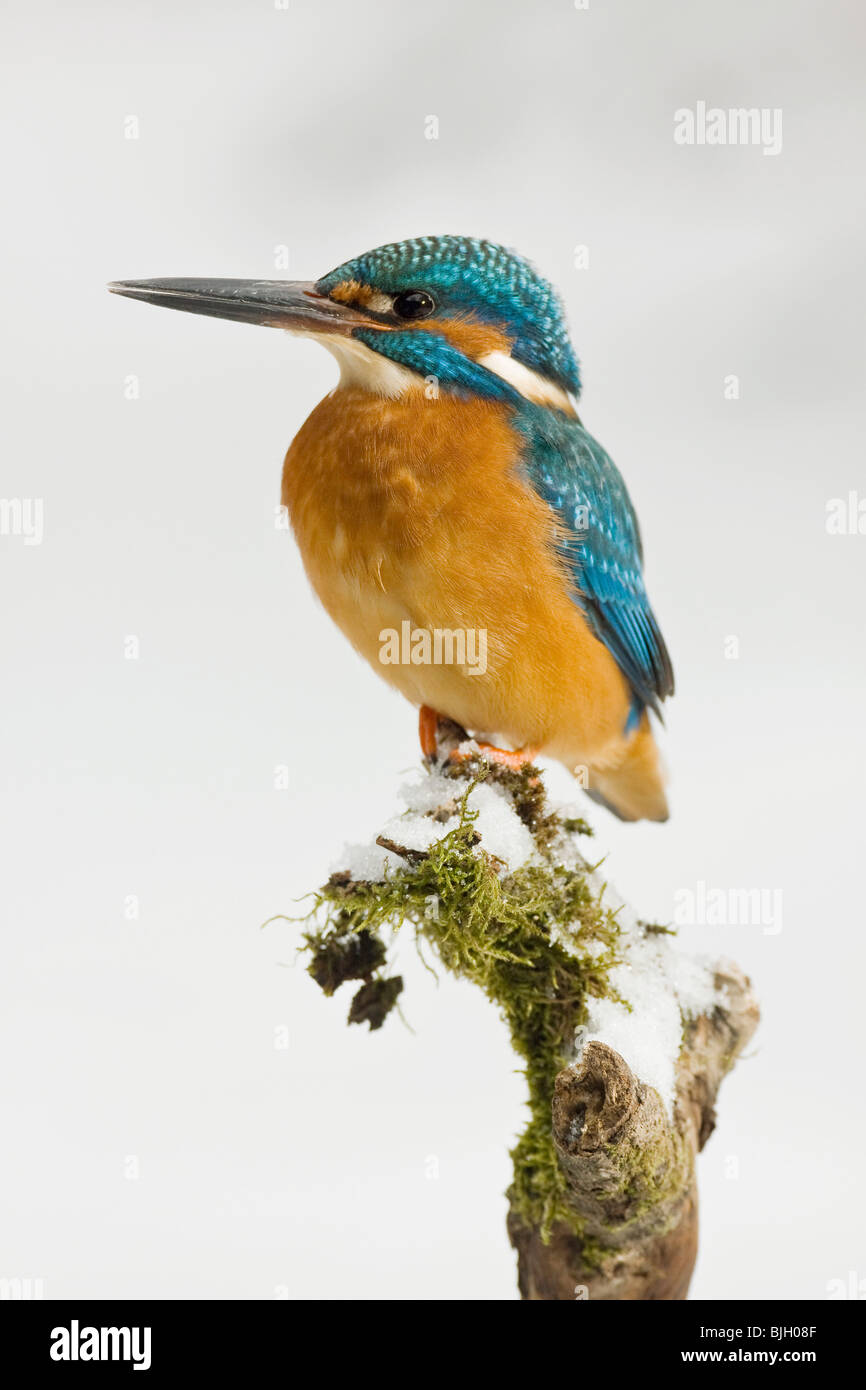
(495, 882)
(629, 1167)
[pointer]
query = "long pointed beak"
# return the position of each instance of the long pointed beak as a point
(288, 304)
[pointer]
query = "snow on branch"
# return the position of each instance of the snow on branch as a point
(624, 1038)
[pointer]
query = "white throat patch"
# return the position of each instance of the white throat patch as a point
(360, 366)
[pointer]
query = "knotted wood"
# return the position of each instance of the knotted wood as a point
(630, 1167)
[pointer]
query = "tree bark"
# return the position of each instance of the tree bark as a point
(630, 1168)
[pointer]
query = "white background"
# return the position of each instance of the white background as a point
(304, 1169)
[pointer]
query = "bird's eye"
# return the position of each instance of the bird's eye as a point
(414, 304)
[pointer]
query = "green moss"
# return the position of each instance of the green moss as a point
(653, 1172)
(537, 941)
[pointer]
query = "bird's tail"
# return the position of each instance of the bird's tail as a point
(633, 785)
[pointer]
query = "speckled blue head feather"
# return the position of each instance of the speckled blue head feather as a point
(465, 274)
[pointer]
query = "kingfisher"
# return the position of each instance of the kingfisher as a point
(446, 485)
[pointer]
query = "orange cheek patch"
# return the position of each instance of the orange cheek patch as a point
(470, 337)
(353, 292)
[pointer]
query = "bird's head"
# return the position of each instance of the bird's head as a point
(474, 317)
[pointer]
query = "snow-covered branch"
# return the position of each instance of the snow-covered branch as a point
(624, 1037)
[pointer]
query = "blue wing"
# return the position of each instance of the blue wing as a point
(601, 544)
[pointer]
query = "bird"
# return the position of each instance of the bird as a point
(447, 485)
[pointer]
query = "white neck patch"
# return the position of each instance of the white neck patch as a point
(531, 385)
(363, 368)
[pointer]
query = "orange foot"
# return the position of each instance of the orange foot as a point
(506, 757)
(428, 723)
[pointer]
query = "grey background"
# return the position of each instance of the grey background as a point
(304, 1170)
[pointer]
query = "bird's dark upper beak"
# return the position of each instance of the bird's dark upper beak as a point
(289, 304)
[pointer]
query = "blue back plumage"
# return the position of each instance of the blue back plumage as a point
(471, 275)
(600, 544)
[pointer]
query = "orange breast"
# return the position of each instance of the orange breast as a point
(415, 510)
